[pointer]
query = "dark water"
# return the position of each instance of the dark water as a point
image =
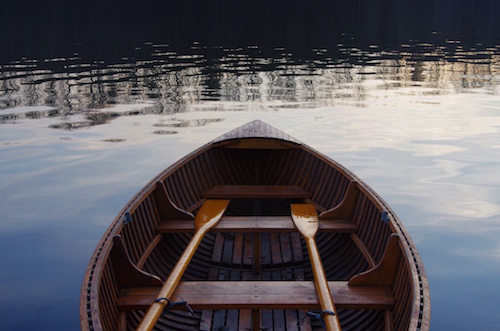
(110, 30)
(97, 97)
(86, 55)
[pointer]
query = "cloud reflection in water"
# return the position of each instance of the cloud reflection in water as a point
(421, 129)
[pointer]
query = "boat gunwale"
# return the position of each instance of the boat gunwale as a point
(420, 312)
(420, 318)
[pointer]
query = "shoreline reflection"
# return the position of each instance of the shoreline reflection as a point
(169, 82)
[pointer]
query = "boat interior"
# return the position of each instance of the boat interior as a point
(252, 271)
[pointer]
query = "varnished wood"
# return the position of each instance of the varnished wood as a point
(262, 170)
(209, 214)
(127, 274)
(389, 321)
(256, 320)
(261, 295)
(345, 209)
(383, 273)
(256, 224)
(147, 252)
(166, 208)
(306, 220)
(256, 191)
(363, 249)
(257, 254)
(257, 143)
(256, 132)
(122, 321)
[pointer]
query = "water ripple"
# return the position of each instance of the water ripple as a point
(172, 81)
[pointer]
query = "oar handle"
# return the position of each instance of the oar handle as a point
(209, 215)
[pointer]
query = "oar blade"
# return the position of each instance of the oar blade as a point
(305, 218)
(207, 217)
(210, 213)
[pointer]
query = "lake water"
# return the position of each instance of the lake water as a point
(96, 99)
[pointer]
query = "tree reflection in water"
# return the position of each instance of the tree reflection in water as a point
(168, 82)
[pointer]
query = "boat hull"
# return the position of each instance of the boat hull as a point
(255, 249)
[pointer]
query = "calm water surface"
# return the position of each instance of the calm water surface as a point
(90, 111)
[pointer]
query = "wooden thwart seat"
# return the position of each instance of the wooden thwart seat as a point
(176, 220)
(256, 191)
(261, 295)
(256, 224)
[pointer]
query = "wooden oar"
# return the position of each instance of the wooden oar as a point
(209, 215)
(306, 221)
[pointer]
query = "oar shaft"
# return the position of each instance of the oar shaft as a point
(322, 288)
(208, 216)
(305, 218)
(155, 310)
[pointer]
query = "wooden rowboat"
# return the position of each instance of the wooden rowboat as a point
(255, 230)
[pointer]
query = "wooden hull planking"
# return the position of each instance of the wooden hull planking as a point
(252, 270)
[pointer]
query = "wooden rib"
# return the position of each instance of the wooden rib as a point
(389, 322)
(329, 193)
(383, 273)
(404, 294)
(257, 253)
(363, 249)
(341, 256)
(371, 230)
(147, 252)
(128, 236)
(261, 295)
(256, 224)
(127, 274)
(256, 320)
(345, 209)
(166, 207)
(256, 191)
(108, 295)
(136, 234)
(209, 214)
(122, 321)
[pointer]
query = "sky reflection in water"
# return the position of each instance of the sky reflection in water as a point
(420, 124)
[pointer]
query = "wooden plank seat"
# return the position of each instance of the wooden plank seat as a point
(256, 191)
(273, 295)
(261, 295)
(256, 224)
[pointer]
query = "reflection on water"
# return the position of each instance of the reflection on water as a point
(96, 97)
(84, 93)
